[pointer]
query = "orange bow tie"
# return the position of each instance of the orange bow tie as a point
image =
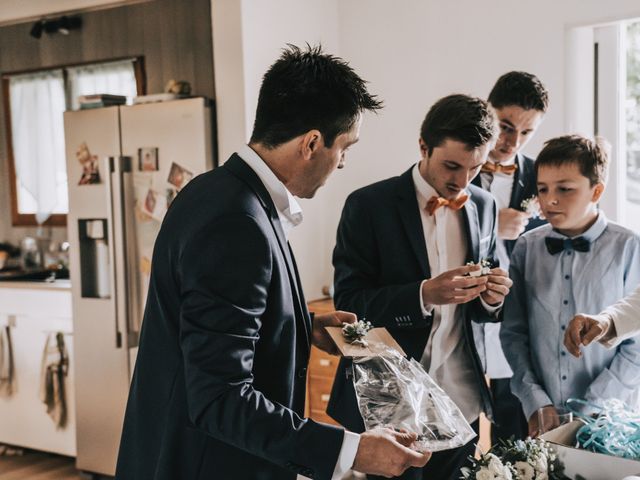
(435, 203)
(489, 167)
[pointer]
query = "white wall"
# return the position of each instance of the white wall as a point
(248, 36)
(413, 52)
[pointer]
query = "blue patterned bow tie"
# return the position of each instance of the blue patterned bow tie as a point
(556, 245)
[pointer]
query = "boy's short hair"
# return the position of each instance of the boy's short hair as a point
(466, 119)
(591, 156)
(308, 89)
(522, 89)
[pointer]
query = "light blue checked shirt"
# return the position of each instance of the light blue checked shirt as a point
(548, 290)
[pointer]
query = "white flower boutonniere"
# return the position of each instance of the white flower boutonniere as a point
(485, 268)
(531, 206)
(355, 332)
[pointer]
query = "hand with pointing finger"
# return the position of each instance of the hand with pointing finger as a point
(585, 329)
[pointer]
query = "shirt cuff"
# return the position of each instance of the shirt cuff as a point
(533, 401)
(427, 309)
(347, 455)
(491, 309)
(610, 338)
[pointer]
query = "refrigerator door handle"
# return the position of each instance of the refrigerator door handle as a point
(115, 188)
(130, 252)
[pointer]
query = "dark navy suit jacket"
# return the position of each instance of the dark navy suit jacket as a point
(219, 386)
(524, 187)
(380, 260)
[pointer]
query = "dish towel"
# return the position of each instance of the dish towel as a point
(55, 366)
(6, 362)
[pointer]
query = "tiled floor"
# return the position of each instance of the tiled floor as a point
(38, 466)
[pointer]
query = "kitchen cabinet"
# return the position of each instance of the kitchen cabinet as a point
(33, 310)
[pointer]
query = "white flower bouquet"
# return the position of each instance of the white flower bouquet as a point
(530, 459)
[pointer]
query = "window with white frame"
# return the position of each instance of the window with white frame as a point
(36, 102)
(632, 116)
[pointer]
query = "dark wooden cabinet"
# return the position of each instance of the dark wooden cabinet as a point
(321, 372)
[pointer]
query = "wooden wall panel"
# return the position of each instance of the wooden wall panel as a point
(174, 36)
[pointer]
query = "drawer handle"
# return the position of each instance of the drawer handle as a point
(324, 362)
(325, 397)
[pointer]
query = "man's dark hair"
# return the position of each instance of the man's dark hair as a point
(521, 89)
(469, 120)
(591, 156)
(305, 90)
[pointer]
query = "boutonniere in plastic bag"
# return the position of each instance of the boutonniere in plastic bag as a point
(395, 392)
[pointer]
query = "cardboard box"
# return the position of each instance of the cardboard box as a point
(376, 337)
(589, 465)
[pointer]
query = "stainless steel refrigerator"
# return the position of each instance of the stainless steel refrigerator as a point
(125, 164)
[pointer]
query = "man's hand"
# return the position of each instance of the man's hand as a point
(498, 285)
(543, 420)
(511, 223)
(584, 330)
(388, 453)
(320, 338)
(453, 287)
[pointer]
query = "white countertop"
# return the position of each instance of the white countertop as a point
(37, 285)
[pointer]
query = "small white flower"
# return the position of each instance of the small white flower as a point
(495, 465)
(484, 474)
(506, 474)
(541, 464)
(524, 471)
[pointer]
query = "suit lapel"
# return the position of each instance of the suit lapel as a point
(303, 303)
(472, 226)
(518, 189)
(477, 180)
(239, 168)
(409, 212)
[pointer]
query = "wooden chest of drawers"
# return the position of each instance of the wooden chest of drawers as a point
(321, 372)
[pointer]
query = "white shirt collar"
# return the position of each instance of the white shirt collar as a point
(289, 209)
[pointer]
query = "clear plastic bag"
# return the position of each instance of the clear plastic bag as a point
(397, 393)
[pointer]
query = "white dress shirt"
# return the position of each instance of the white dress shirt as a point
(500, 185)
(290, 214)
(626, 318)
(445, 357)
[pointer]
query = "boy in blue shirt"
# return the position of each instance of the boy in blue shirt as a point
(578, 262)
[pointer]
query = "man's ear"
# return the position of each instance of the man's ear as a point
(311, 142)
(424, 150)
(597, 192)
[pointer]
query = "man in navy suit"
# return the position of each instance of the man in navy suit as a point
(520, 101)
(400, 262)
(219, 386)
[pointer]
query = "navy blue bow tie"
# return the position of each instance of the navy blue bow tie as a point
(556, 245)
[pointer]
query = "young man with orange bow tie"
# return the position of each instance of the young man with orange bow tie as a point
(400, 262)
(520, 101)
